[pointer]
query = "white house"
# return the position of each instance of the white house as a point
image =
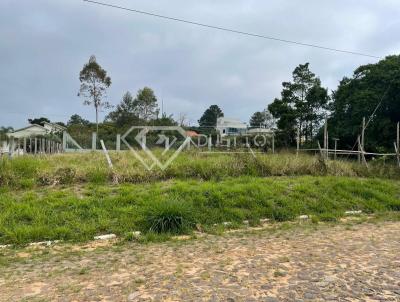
(36, 130)
(229, 126)
(31, 139)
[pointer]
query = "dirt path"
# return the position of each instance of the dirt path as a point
(342, 263)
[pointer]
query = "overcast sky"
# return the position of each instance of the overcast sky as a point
(44, 44)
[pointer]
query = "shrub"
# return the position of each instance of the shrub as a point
(66, 175)
(173, 217)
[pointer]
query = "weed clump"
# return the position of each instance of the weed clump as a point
(66, 175)
(172, 216)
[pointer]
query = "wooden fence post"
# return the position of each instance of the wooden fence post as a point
(11, 147)
(398, 135)
(273, 143)
(94, 141)
(64, 141)
(106, 154)
(118, 147)
(397, 144)
(321, 151)
(326, 143)
(363, 134)
(361, 153)
(336, 140)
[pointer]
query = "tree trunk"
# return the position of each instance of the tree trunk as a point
(97, 119)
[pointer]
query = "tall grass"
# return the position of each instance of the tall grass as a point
(26, 172)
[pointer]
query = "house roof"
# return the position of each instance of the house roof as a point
(261, 130)
(191, 133)
(230, 123)
(31, 130)
(36, 130)
(56, 126)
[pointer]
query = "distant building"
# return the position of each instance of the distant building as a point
(191, 133)
(33, 139)
(229, 126)
(264, 131)
(36, 130)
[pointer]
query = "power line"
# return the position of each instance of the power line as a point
(231, 30)
(374, 112)
(379, 104)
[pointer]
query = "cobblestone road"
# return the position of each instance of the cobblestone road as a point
(342, 263)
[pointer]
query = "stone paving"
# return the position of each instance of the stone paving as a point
(342, 263)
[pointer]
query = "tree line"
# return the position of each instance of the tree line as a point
(372, 91)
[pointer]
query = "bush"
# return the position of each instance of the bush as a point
(66, 175)
(172, 217)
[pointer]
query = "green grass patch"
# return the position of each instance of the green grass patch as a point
(77, 213)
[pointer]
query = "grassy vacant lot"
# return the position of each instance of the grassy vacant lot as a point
(67, 169)
(72, 197)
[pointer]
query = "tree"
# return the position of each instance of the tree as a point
(262, 119)
(77, 120)
(38, 121)
(146, 104)
(210, 116)
(3, 133)
(372, 87)
(4, 130)
(94, 84)
(165, 120)
(302, 103)
(126, 112)
(182, 119)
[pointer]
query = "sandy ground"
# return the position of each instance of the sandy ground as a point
(360, 262)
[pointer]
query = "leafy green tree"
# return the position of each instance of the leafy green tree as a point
(263, 119)
(372, 86)
(76, 119)
(145, 104)
(38, 121)
(126, 112)
(3, 133)
(94, 84)
(165, 120)
(210, 116)
(302, 104)
(5, 130)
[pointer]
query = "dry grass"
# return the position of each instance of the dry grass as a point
(27, 172)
